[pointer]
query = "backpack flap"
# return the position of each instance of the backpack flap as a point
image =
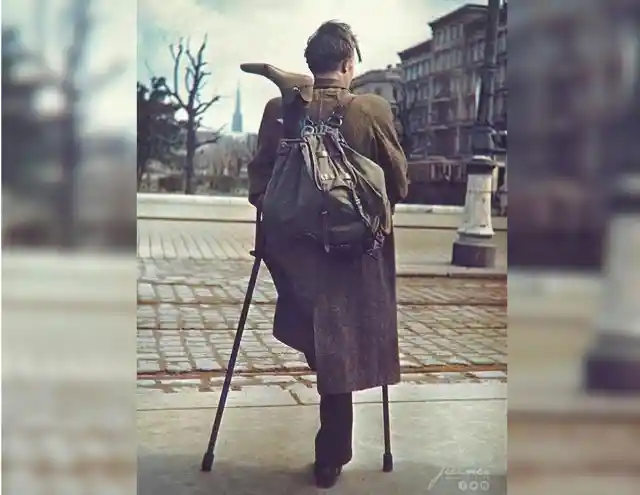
(322, 189)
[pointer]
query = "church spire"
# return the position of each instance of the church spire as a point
(236, 123)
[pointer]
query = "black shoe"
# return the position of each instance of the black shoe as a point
(326, 476)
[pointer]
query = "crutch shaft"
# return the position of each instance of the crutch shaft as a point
(387, 457)
(208, 458)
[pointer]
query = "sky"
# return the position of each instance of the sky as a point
(272, 31)
(111, 49)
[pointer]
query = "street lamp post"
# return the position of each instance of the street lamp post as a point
(474, 245)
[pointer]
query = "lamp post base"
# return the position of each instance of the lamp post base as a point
(473, 255)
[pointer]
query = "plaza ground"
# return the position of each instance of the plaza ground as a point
(448, 415)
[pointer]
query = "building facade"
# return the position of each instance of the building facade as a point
(383, 82)
(443, 74)
(417, 65)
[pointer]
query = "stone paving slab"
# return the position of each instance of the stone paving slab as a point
(295, 383)
(268, 450)
(301, 393)
(426, 250)
(222, 282)
(188, 311)
(447, 336)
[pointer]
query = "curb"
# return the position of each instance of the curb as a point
(234, 209)
(453, 275)
(193, 200)
(185, 218)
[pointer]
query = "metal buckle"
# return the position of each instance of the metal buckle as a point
(335, 120)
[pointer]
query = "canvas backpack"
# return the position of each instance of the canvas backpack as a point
(322, 189)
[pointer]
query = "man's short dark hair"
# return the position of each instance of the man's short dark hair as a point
(332, 44)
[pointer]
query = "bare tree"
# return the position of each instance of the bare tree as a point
(81, 23)
(405, 95)
(194, 76)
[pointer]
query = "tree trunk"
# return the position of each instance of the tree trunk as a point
(188, 162)
(70, 161)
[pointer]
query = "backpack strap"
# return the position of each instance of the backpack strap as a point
(337, 116)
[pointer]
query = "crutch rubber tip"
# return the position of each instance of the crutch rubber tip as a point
(387, 462)
(207, 462)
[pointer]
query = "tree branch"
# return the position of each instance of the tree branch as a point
(203, 107)
(80, 27)
(176, 54)
(212, 140)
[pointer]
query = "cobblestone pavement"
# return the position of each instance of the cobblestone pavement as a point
(188, 311)
(291, 382)
(164, 240)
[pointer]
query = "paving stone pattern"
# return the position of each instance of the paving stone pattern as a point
(187, 281)
(206, 383)
(188, 311)
(178, 240)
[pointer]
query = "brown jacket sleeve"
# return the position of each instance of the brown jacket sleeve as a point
(387, 149)
(260, 167)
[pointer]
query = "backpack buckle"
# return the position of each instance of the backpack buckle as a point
(335, 120)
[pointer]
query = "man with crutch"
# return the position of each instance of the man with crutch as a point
(341, 313)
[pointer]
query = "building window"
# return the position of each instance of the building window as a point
(502, 41)
(438, 88)
(498, 108)
(478, 49)
(471, 111)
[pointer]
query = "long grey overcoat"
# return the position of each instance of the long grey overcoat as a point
(341, 314)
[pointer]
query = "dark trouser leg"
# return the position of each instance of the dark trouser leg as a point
(334, 438)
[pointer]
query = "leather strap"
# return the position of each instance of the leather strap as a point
(337, 115)
(342, 106)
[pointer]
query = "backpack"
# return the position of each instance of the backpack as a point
(322, 189)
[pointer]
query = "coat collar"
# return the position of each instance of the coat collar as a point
(328, 82)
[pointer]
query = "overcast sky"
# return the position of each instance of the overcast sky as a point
(273, 31)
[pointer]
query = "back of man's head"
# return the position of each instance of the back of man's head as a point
(331, 47)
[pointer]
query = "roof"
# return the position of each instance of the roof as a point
(481, 22)
(467, 8)
(415, 50)
(377, 75)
